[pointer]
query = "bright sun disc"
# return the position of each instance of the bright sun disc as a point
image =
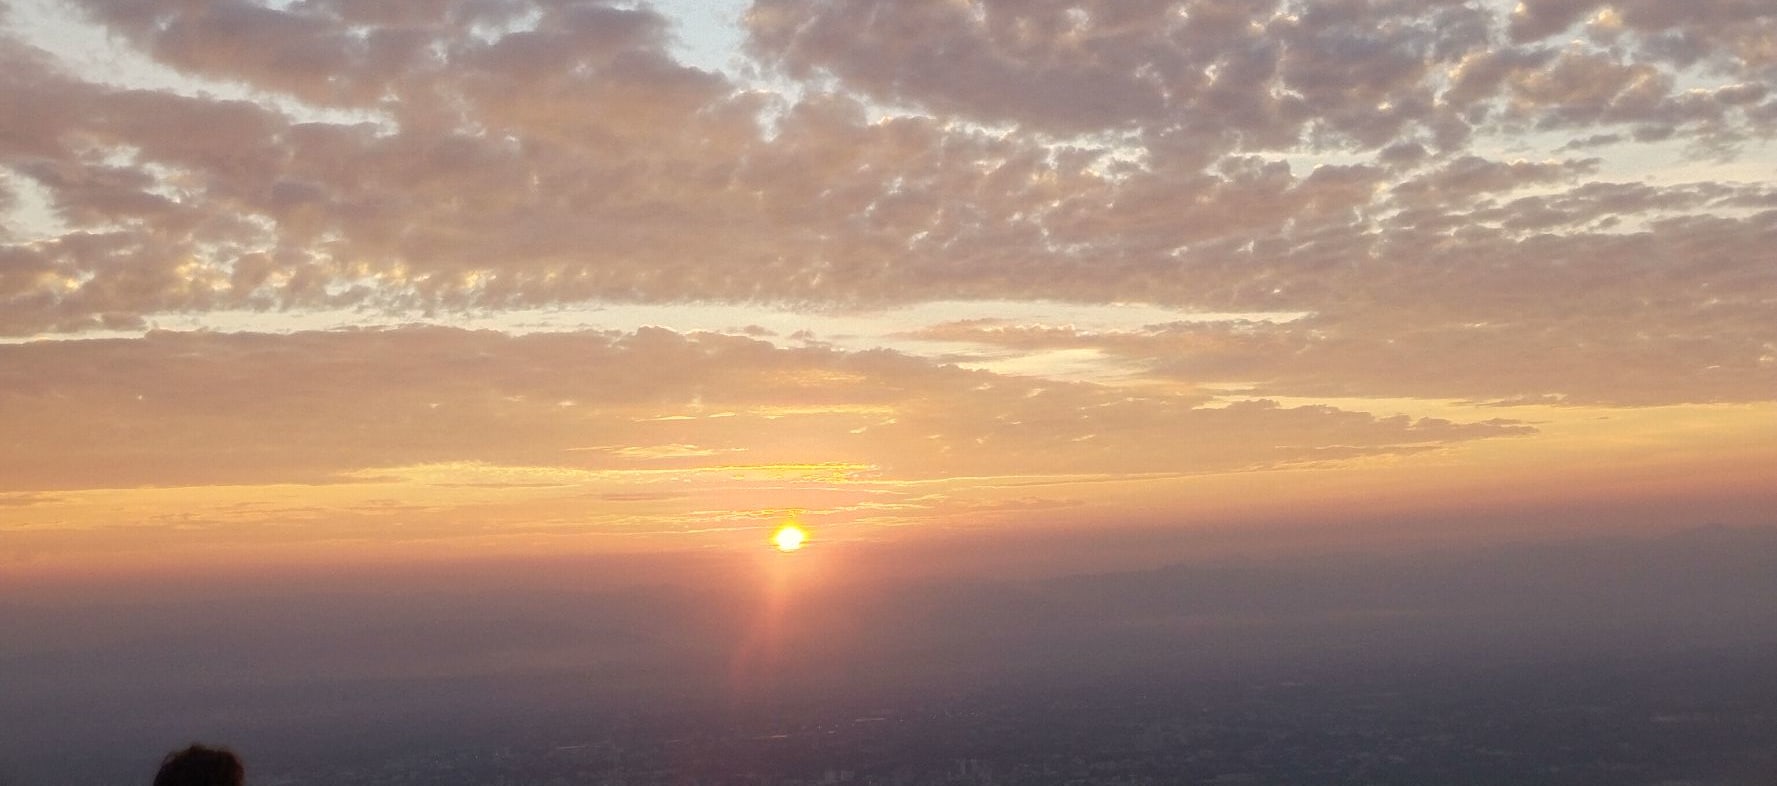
(789, 537)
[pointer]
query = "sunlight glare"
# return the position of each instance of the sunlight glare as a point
(789, 538)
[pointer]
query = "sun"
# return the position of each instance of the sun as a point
(789, 537)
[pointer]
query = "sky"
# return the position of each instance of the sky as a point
(969, 286)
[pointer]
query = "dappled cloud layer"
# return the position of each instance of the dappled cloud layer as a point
(1402, 160)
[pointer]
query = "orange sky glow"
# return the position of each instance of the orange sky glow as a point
(958, 286)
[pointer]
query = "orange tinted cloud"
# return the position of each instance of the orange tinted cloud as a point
(202, 409)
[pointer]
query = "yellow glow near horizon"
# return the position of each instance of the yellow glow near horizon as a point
(789, 538)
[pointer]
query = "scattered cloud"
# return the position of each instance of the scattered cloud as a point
(1192, 154)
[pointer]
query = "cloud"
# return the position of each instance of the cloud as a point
(1334, 159)
(1232, 75)
(1734, 34)
(1715, 346)
(1217, 77)
(1462, 178)
(202, 408)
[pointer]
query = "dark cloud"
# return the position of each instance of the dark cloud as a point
(1234, 75)
(1734, 34)
(1468, 176)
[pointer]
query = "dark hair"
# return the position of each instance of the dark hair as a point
(200, 766)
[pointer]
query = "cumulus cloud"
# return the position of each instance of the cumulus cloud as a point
(1732, 33)
(1227, 75)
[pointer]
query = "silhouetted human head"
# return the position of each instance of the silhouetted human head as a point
(200, 766)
